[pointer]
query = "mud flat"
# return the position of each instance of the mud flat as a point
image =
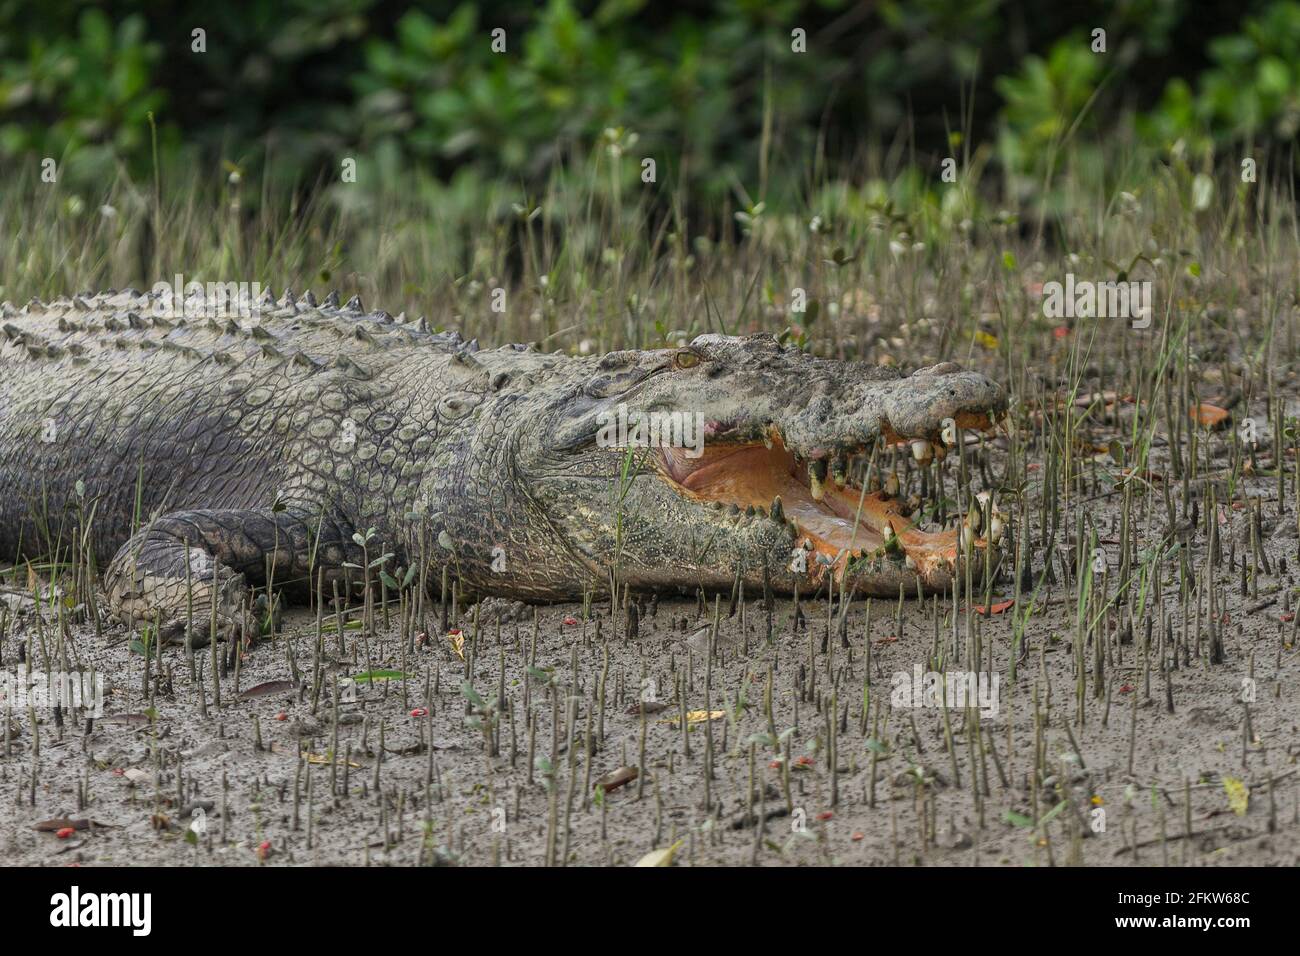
(1095, 757)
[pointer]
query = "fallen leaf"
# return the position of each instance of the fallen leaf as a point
(617, 778)
(324, 758)
(1209, 416)
(697, 717)
(662, 857)
(136, 775)
(986, 340)
(457, 641)
(65, 823)
(128, 719)
(270, 687)
(651, 707)
(994, 608)
(1238, 795)
(370, 676)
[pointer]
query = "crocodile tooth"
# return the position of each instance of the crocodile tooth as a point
(995, 528)
(777, 510)
(921, 450)
(949, 433)
(817, 479)
(839, 471)
(749, 511)
(891, 486)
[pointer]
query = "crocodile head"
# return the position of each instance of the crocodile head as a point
(683, 467)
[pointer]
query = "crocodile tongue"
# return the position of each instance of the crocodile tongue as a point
(837, 521)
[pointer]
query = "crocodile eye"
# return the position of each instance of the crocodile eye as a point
(685, 358)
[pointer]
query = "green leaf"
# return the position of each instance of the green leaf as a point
(537, 674)
(470, 694)
(369, 676)
(1017, 819)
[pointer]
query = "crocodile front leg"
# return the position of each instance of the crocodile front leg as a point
(225, 550)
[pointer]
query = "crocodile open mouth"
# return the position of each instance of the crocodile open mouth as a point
(832, 514)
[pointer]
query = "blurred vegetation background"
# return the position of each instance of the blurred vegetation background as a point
(525, 167)
(713, 91)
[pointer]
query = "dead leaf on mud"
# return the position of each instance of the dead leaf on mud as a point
(1209, 416)
(268, 688)
(993, 609)
(130, 720)
(63, 823)
(324, 758)
(312, 757)
(651, 707)
(457, 641)
(136, 775)
(617, 778)
(697, 717)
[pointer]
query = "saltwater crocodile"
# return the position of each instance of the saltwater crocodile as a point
(310, 437)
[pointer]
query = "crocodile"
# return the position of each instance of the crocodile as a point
(211, 456)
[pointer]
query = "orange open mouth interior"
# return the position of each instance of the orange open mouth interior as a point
(839, 521)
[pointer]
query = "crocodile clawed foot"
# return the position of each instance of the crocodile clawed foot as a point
(230, 627)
